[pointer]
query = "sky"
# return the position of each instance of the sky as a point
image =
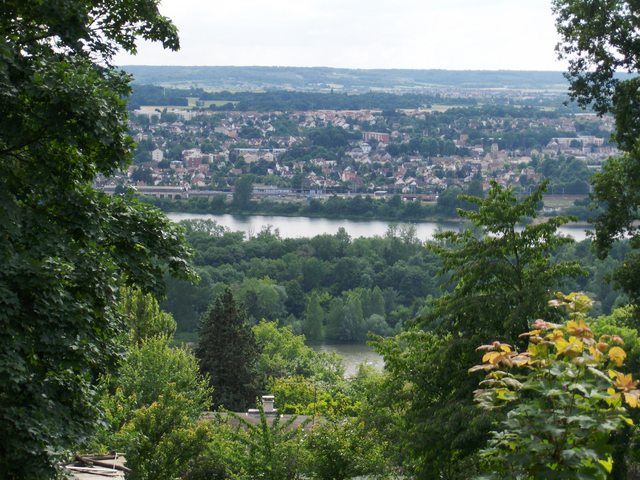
(416, 34)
